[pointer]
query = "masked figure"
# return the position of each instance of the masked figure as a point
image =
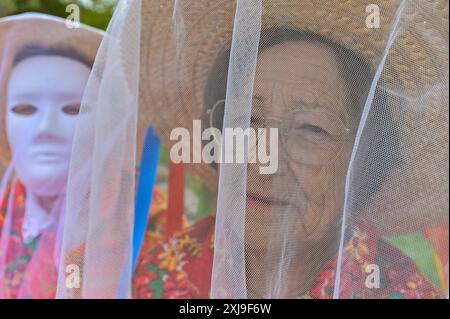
(341, 191)
(44, 70)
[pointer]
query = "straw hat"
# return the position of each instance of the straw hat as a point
(17, 32)
(176, 58)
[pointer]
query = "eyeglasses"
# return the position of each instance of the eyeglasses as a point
(310, 136)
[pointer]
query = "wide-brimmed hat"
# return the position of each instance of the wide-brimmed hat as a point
(29, 29)
(178, 53)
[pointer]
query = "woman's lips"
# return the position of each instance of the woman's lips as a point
(266, 202)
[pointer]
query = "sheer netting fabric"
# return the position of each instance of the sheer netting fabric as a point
(331, 121)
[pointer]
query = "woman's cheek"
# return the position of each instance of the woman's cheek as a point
(324, 194)
(315, 182)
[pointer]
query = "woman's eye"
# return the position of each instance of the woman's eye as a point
(73, 109)
(314, 129)
(24, 109)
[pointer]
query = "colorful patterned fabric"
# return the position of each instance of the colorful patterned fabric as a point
(175, 266)
(179, 266)
(399, 276)
(29, 268)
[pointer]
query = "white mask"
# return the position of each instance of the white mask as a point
(43, 98)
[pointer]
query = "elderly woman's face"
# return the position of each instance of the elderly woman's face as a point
(299, 89)
(43, 101)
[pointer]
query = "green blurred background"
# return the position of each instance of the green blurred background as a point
(96, 13)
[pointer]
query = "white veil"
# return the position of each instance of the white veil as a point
(97, 244)
(361, 188)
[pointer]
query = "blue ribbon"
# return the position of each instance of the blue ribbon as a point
(146, 183)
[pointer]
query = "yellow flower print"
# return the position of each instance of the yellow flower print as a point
(192, 245)
(171, 257)
(186, 241)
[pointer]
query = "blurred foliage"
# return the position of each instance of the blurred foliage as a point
(96, 13)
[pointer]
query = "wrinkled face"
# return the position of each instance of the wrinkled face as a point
(299, 89)
(43, 101)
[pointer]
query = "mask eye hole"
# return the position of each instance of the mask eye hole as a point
(72, 109)
(24, 109)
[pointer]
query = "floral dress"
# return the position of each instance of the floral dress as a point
(180, 265)
(400, 276)
(29, 270)
(174, 265)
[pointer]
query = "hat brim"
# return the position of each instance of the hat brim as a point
(177, 57)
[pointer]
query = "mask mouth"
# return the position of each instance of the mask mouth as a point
(48, 157)
(46, 153)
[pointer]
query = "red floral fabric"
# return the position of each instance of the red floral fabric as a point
(180, 266)
(400, 278)
(174, 266)
(29, 268)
